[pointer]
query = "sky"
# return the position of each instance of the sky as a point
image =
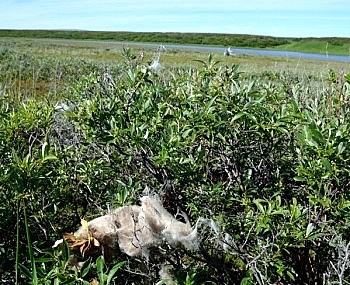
(284, 18)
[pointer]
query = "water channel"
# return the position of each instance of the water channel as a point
(264, 52)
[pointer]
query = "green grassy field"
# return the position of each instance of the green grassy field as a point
(321, 45)
(112, 52)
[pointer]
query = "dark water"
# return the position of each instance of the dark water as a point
(272, 53)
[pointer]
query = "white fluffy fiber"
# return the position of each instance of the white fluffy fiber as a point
(135, 229)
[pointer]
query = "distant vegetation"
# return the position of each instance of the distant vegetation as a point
(183, 38)
(321, 45)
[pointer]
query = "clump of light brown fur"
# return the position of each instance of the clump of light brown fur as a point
(135, 229)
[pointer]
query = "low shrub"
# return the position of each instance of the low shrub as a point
(265, 158)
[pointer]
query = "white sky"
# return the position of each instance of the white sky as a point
(296, 18)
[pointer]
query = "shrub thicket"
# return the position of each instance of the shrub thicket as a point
(265, 157)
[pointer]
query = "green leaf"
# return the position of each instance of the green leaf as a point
(186, 133)
(50, 157)
(211, 102)
(347, 77)
(341, 148)
(291, 276)
(237, 116)
(65, 252)
(316, 236)
(326, 164)
(220, 136)
(246, 281)
(44, 259)
(113, 271)
(26, 272)
(313, 136)
(311, 142)
(100, 263)
(299, 178)
(85, 268)
(259, 205)
(252, 117)
(317, 136)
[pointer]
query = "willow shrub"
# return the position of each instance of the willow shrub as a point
(265, 157)
(265, 160)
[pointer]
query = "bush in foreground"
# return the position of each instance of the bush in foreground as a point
(266, 158)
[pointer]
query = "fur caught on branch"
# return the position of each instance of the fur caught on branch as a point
(136, 229)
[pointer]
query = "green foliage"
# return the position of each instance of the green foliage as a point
(265, 157)
(61, 268)
(319, 45)
(181, 38)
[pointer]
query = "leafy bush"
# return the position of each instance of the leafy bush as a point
(265, 157)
